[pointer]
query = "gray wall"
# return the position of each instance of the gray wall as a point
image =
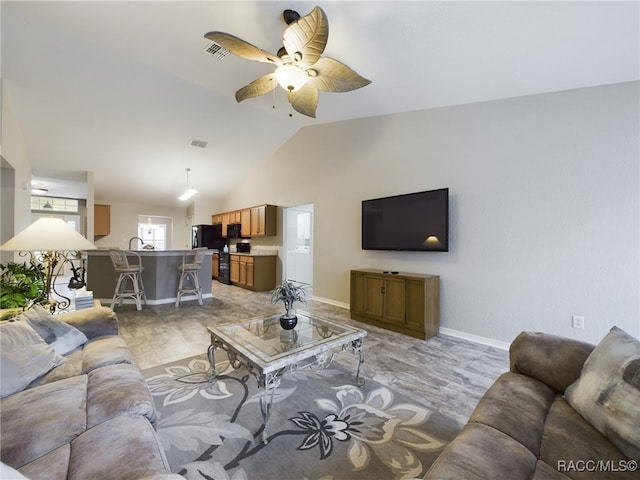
(544, 206)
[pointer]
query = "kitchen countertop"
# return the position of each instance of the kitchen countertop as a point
(252, 254)
(147, 253)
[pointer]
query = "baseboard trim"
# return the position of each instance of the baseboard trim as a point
(161, 301)
(475, 338)
(331, 302)
(445, 331)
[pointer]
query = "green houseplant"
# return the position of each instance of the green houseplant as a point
(288, 293)
(21, 285)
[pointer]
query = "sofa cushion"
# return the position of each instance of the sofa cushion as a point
(556, 361)
(24, 356)
(123, 447)
(516, 405)
(41, 419)
(61, 336)
(569, 440)
(118, 390)
(607, 393)
(96, 353)
(481, 452)
(70, 368)
(102, 351)
(53, 465)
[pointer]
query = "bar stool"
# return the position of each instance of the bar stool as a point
(191, 265)
(131, 272)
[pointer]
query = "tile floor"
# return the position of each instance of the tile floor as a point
(444, 373)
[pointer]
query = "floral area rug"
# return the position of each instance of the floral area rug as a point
(322, 426)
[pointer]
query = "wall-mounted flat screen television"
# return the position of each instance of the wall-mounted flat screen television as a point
(414, 221)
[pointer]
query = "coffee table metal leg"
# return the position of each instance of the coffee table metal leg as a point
(357, 348)
(212, 362)
(268, 382)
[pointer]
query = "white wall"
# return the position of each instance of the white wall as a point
(544, 205)
(124, 224)
(14, 152)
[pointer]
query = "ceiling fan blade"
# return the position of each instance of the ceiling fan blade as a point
(304, 100)
(242, 49)
(258, 87)
(306, 39)
(334, 76)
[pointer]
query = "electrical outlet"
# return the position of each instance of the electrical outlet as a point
(577, 322)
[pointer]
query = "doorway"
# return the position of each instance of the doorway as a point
(155, 231)
(298, 246)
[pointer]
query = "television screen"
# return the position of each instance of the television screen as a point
(414, 221)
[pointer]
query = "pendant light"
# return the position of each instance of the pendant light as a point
(190, 191)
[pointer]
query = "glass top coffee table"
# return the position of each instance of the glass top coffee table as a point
(268, 351)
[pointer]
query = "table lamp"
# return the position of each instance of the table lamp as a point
(49, 241)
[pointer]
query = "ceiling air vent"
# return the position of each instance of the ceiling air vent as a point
(198, 143)
(217, 51)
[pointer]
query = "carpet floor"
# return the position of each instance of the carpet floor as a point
(322, 426)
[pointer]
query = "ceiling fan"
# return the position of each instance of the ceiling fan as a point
(301, 70)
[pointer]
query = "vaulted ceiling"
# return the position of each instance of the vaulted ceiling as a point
(122, 88)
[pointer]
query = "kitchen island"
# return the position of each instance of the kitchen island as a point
(160, 275)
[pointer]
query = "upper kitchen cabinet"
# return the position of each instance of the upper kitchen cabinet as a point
(101, 220)
(263, 221)
(260, 221)
(245, 222)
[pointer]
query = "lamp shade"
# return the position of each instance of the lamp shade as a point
(48, 234)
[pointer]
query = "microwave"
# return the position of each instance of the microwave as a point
(243, 247)
(233, 230)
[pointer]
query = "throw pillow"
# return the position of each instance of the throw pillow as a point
(24, 356)
(60, 335)
(607, 394)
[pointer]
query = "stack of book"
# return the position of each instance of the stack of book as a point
(85, 301)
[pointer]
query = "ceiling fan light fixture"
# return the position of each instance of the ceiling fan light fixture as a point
(290, 77)
(301, 70)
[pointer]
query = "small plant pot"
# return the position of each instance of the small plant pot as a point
(288, 323)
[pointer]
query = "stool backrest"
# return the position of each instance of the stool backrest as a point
(120, 260)
(195, 258)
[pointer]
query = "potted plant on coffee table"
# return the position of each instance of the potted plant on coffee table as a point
(288, 293)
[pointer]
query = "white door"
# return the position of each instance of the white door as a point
(298, 245)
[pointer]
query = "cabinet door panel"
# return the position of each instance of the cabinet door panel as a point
(249, 274)
(394, 300)
(373, 297)
(357, 293)
(234, 269)
(215, 265)
(101, 220)
(245, 222)
(415, 304)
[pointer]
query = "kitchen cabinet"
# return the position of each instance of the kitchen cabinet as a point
(225, 223)
(263, 221)
(101, 220)
(404, 302)
(260, 221)
(215, 265)
(254, 272)
(245, 222)
(234, 269)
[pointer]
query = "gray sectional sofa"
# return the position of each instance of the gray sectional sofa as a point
(89, 416)
(565, 410)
